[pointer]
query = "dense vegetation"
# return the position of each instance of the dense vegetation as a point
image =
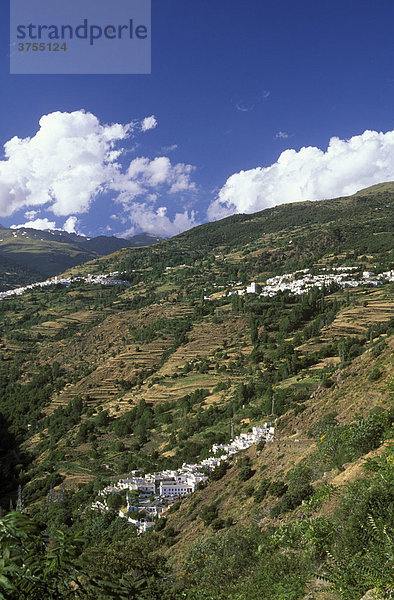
(96, 382)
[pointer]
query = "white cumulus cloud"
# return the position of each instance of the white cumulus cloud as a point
(70, 225)
(72, 158)
(36, 224)
(145, 217)
(45, 224)
(148, 123)
(309, 174)
(147, 177)
(64, 165)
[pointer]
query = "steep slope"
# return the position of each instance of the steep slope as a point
(276, 240)
(97, 381)
(158, 342)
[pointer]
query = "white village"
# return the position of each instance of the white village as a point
(297, 283)
(107, 279)
(150, 496)
(302, 281)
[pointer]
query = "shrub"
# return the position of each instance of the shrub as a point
(366, 434)
(245, 473)
(374, 374)
(277, 488)
(208, 514)
(261, 491)
(378, 349)
(219, 471)
(292, 498)
(248, 490)
(218, 524)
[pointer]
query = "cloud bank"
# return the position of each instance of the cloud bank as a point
(36, 224)
(45, 224)
(72, 159)
(309, 174)
(63, 166)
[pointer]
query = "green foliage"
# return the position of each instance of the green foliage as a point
(29, 571)
(22, 404)
(292, 498)
(132, 569)
(361, 556)
(222, 559)
(219, 471)
(321, 493)
(261, 490)
(243, 564)
(277, 488)
(314, 536)
(115, 501)
(208, 514)
(374, 374)
(162, 328)
(323, 425)
(339, 445)
(245, 470)
(378, 348)
(353, 574)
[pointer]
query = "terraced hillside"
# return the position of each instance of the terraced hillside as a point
(99, 381)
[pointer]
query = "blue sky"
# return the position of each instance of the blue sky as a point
(233, 86)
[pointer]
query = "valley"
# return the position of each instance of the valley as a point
(150, 358)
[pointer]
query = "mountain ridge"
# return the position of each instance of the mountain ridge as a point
(44, 253)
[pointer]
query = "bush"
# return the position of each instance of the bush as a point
(326, 422)
(219, 471)
(218, 524)
(277, 488)
(292, 498)
(366, 434)
(374, 374)
(245, 473)
(378, 349)
(261, 445)
(208, 514)
(261, 491)
(248, 490)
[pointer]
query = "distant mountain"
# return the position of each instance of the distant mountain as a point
(26, 255)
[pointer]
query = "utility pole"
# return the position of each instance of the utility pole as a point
(232, 429)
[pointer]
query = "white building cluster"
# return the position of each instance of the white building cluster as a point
(301, 282)
(100, 279)
(245, 440)
(157, 491)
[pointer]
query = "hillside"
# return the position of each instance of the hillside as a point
(28, 255)
(276, 240)
(98, 381)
